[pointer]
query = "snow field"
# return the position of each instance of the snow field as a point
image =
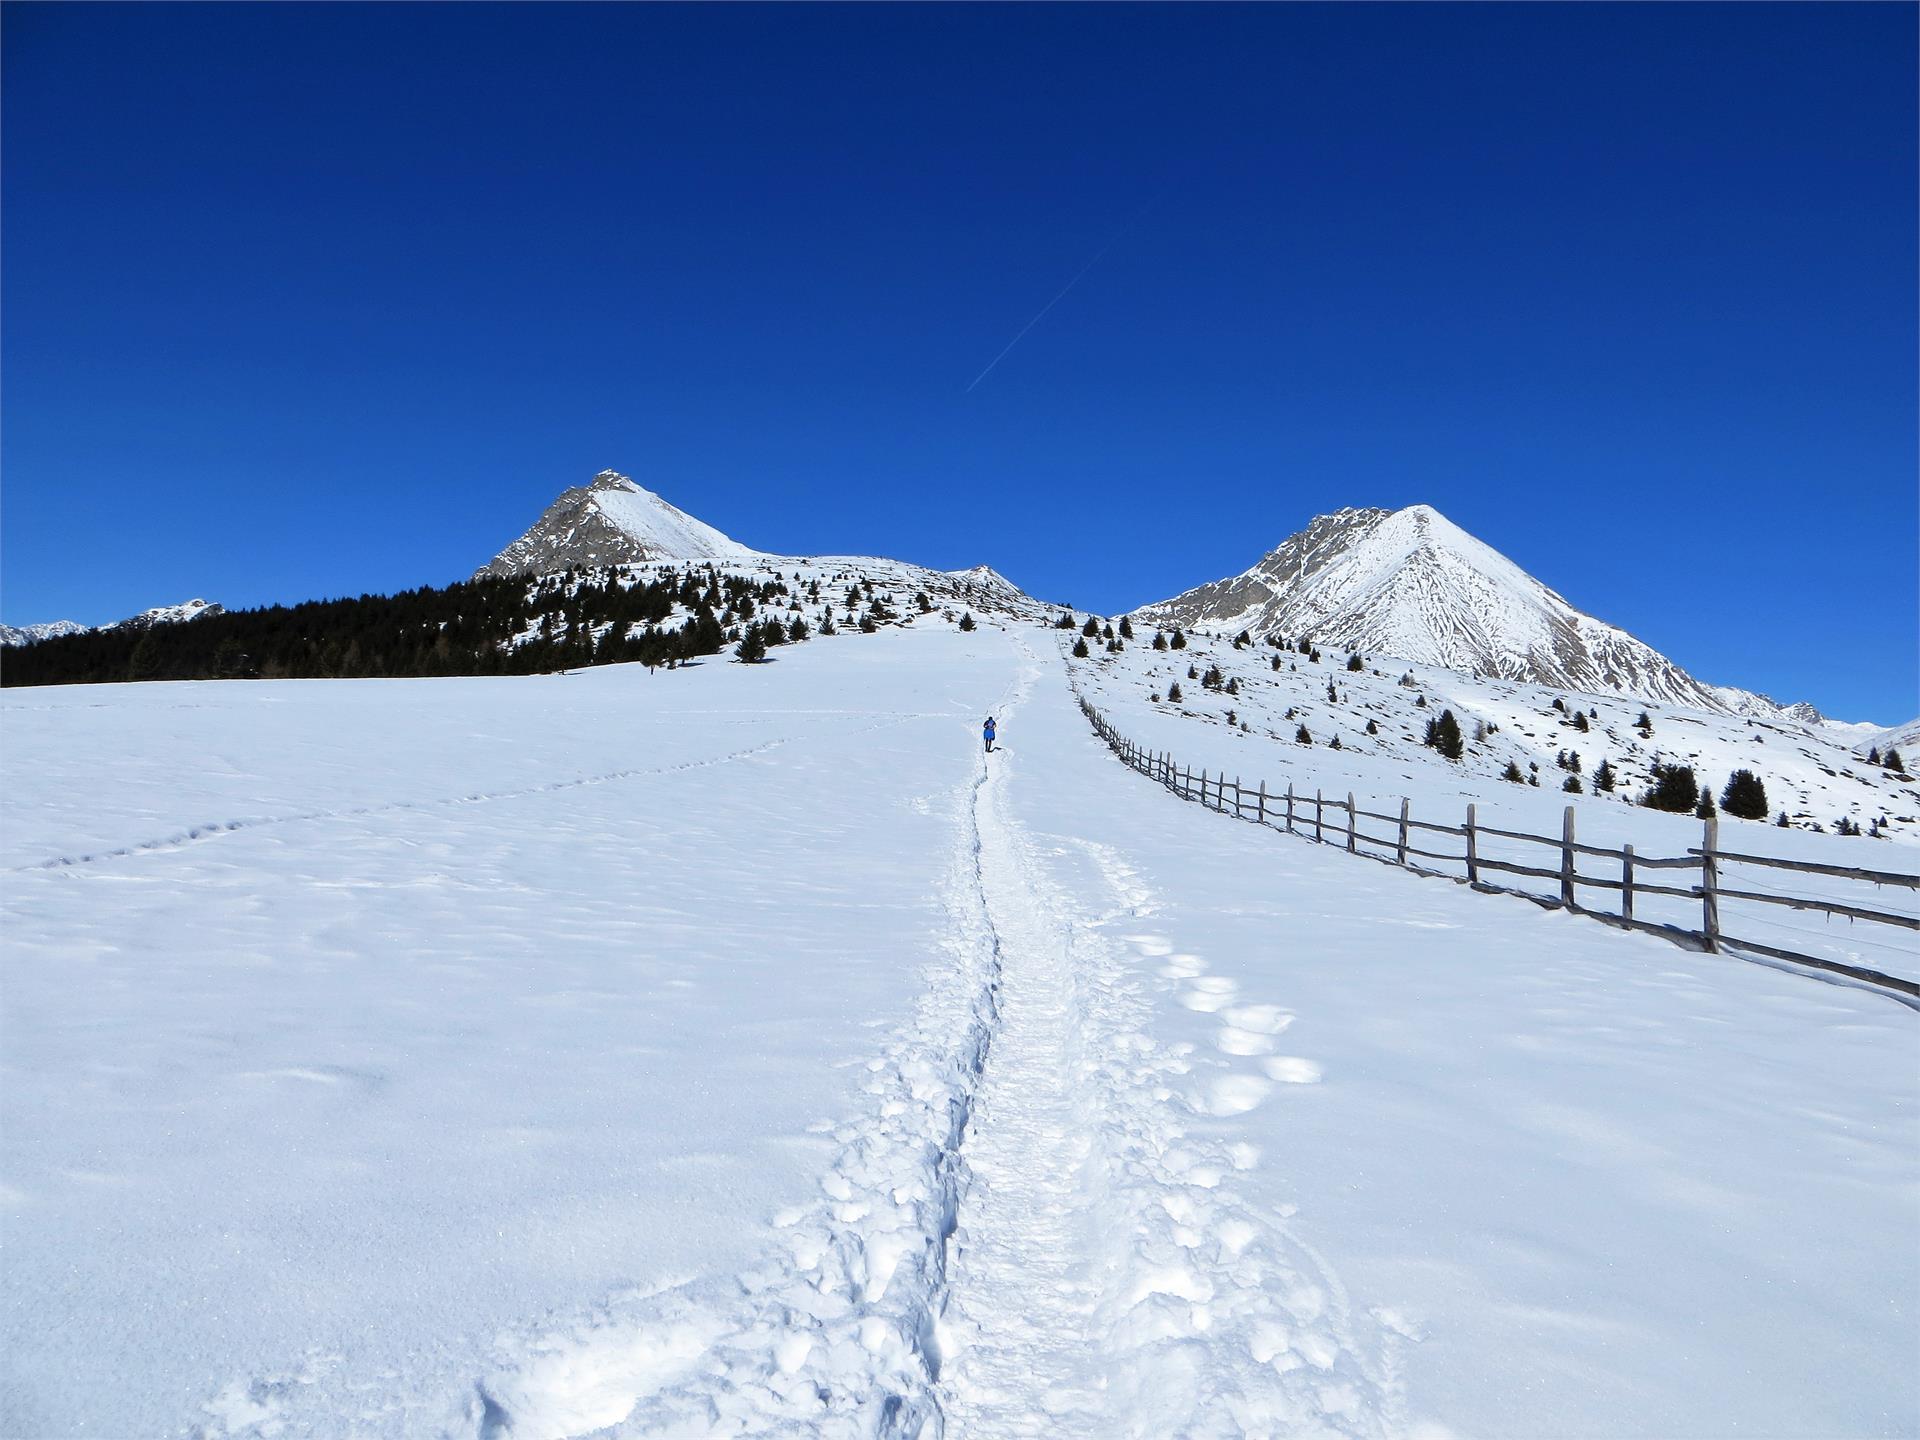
(740, 1052)
(411, 1115)
(1612, 1187)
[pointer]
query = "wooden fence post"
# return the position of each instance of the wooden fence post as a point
(1626, 882)
(1567, 897)
(1289, 807)
(1236, 797)
(1710, 885)
(1473, 851)
(1263, 802)
(1403, 830)
(1319, 819)
(1353, 819)
(1203, 787)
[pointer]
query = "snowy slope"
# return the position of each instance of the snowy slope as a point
(1413, 585)
(611, 521)
(739, 1051)
(1250, 727)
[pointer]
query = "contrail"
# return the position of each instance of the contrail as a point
(1111, 241)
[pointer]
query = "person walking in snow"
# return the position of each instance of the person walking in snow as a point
(987, 731)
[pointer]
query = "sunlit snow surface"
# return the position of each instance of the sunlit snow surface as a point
(526, 1057)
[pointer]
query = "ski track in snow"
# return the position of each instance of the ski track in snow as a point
(214, 829)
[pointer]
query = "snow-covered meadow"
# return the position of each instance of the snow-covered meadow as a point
(737, 1050)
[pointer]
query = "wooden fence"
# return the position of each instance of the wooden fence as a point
(1334, 820)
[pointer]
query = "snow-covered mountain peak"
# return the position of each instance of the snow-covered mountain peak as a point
(612, 520)
(1413, 585)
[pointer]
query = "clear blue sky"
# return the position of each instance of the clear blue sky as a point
(306, 301)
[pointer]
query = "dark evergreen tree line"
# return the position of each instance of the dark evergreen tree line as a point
(492, 625)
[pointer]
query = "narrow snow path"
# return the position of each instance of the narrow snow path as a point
(1029, 1265)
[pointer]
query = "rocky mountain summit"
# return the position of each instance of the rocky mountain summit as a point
(611, 521)
(1413, 585)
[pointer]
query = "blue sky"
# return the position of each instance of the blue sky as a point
(313, 300)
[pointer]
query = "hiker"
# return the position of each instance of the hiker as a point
(987, 731)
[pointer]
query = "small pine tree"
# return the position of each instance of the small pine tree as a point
(1512, 772)
(1873, 755)
(1126, 628)
(1276, 662)
(1782, 822)
(1334, 744)
(966, 621)
(1173, 692)
(1580, 721)
(1704, 809)
(1303, 735)
(797, 631)
(1674, 790)
(867, 625)
(1373, 727)
(752, 648)
(1644, 724)
(1193, 672)
(1091, 628)
(1242, 640)
(1571, 785)
(1233, 719)
(1745, 797)
(827, 627)
(1603, 776)
(1179, 641)
(1333, 695)
(1355, 663)
(1159, 640)
(1444, 735)
(1080, 648)
(1894, 763)
(1559, 704)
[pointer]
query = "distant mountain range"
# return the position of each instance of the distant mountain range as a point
(1412, 585)
(145, 620)
(1406, 584)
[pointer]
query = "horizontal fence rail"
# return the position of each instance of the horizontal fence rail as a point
(1334, 820)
